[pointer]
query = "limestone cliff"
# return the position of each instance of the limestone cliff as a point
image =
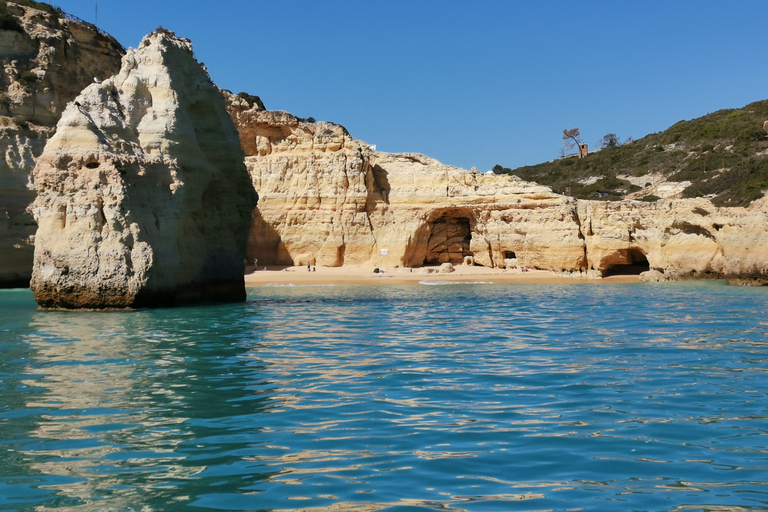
(678, 239)
(313, 176)
(47, 60)
(329, 199)
(143, 198)
(424, 212)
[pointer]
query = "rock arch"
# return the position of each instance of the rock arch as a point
(632, 261)
(445, 236)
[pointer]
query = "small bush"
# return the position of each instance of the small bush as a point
(252, 100)
(8, 22)
(163, 30)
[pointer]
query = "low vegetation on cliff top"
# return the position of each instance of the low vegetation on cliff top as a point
(724, 156)
(9, 22)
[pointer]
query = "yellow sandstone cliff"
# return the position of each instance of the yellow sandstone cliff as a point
(329, 199)
(678, 238)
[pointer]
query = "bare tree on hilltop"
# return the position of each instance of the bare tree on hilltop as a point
(572, 139)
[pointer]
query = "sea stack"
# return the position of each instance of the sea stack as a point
(143, 197)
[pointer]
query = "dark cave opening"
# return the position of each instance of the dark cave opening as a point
(449, 240)
(639, 264)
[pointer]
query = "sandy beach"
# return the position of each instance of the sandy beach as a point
(361, 276)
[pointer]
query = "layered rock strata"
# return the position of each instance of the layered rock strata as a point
(678, 239)
(143, 198)
(46, 61)
(329, 199)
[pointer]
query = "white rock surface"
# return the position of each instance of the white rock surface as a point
(143, 198)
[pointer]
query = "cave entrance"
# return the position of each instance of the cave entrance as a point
(637, 264)
(448, 240)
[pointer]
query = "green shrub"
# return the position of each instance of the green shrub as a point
(711, 168)
(9, 22)
(252, 100)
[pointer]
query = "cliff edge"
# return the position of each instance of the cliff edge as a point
(47, 60)
(330, 199)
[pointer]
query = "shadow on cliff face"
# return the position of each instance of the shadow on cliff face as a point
(379, 187)
(265, 244)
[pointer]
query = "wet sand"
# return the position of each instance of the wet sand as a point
(362, 276)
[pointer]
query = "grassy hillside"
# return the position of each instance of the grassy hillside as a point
(724, 155)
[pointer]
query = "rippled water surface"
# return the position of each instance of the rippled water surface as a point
(456, 397)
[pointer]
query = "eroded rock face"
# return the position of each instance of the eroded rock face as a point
(679, 239)
(143, 198)
(417, 196)
(46, 62)
(329, 199)
(313, 176)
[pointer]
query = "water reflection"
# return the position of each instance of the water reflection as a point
(485, 398)
(611, 395)
(131, 404)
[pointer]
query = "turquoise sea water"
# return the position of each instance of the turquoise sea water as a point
(456, 397)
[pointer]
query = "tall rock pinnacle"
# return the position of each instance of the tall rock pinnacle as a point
(143, 197)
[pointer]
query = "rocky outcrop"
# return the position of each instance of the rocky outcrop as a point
(329, 199)
(143, 198)
(424, 212)
(678, 239)
(46, 61)
(314, 176)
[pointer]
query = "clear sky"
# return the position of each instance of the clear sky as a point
(470, 83)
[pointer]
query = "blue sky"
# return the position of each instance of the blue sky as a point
(470, 83)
